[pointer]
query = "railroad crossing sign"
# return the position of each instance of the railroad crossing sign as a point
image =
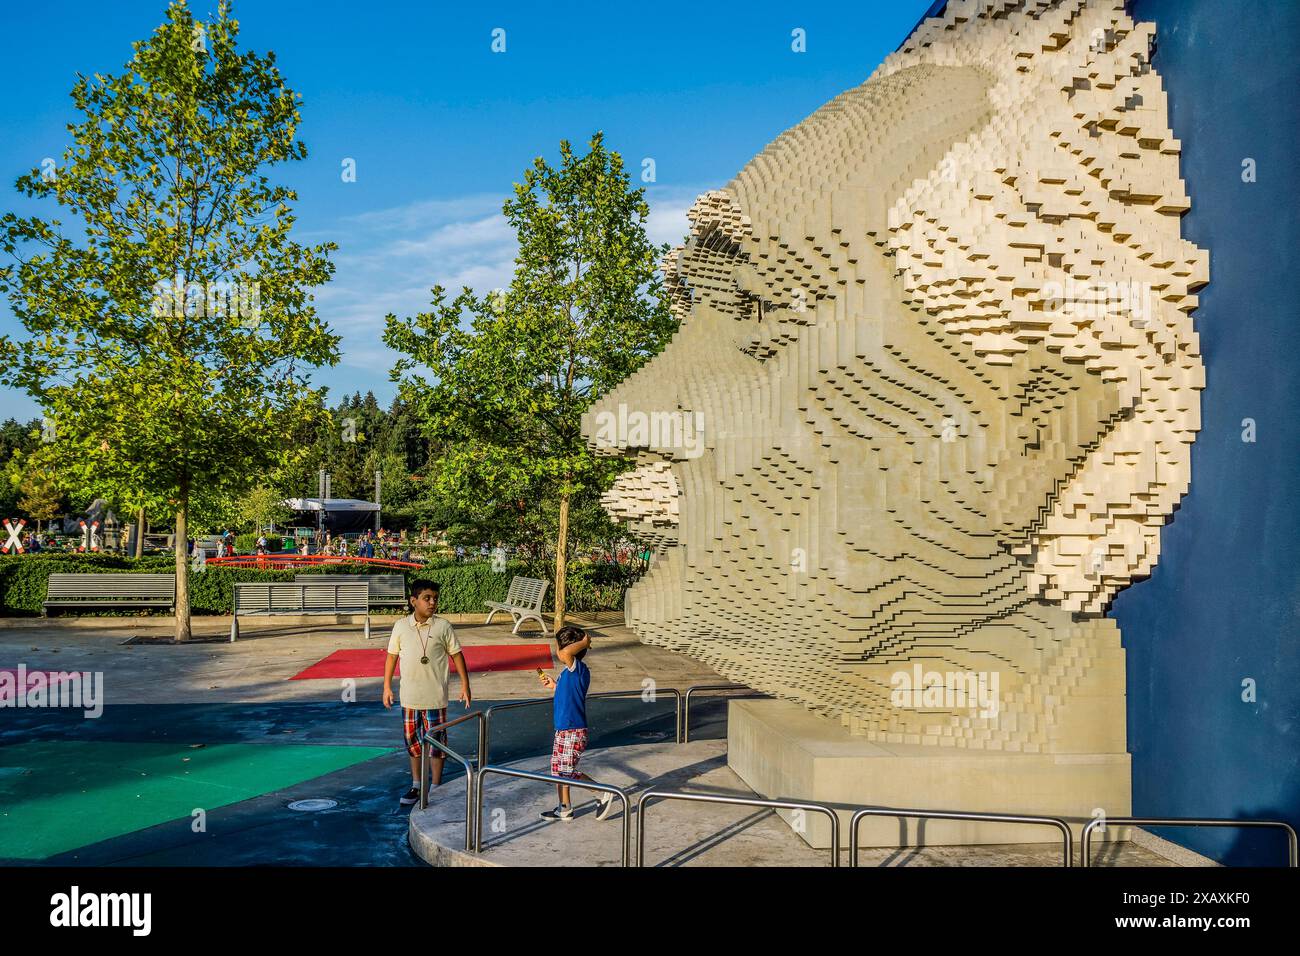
(13, 535)
(89, 536)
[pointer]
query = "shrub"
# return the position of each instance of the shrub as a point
(464, 586)
(24, 578)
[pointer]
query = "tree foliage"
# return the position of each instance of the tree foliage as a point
(169, 334)
(512, 372)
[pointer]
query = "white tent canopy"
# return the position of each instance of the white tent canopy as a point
(331, 504)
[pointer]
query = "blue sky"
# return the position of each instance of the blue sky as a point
(440, 126)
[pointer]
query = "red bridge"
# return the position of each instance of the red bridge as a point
(283, 562)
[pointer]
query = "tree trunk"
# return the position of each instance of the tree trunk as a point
(182, 569)
(561, 561)
(139, 534)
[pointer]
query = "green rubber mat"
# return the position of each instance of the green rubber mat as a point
(57, 795)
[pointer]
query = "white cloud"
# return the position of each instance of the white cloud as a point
(391, 258)
(667, 221)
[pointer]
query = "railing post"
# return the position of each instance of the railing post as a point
(626, 831)
(424, 777)
(644, 802)
(478, 810)
(1099, 823)
(855, 824)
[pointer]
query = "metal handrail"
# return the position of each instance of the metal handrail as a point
(427, 738)
(855, 824)
(685, 737)
(733, 801)
(1100, 822)
(547, 778)
(605, 695)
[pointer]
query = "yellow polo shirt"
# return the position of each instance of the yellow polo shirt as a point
(423, 686)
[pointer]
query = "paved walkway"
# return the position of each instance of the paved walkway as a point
(171, 709)
(163, 701)
(269, 651)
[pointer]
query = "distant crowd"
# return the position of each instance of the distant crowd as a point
(369, 544)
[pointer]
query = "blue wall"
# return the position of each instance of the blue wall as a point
(1223, 603)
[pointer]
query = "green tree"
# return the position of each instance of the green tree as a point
(170, 335)
(16, 440)
(36, 478)
(582, 312)
(263, 506)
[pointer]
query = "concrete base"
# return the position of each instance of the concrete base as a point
(782, 750)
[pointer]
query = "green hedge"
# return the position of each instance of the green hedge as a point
(464, 587)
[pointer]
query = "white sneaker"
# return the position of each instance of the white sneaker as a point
(606, 801)
(562, 812)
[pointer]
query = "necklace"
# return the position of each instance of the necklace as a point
(424, 645)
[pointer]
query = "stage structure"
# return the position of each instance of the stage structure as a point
(335, 515)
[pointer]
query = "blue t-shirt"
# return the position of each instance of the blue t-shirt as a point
(571, 697)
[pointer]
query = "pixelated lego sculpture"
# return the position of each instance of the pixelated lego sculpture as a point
(934, 392)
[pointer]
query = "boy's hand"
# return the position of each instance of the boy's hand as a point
(388, 697)
(465, 697)
(547, 681)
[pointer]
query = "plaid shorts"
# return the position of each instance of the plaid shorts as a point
(415, 723)
(568, 747)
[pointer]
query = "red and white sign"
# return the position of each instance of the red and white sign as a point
(13, 535)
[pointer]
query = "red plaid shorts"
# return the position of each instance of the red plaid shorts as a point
(568, 747)
(415, 723)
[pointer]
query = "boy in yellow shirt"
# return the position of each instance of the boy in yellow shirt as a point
(425, 645)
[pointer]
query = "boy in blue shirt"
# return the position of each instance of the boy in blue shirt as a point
(571, 719)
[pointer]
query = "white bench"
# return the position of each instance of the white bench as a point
(317, 597)
(523, 602)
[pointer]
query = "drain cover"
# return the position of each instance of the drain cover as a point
(312, 806)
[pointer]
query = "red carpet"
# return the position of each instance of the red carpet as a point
(369, 662)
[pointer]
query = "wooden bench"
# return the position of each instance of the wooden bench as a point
(98, 592)
(320, 596)
(523, 602)
(384, 588)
